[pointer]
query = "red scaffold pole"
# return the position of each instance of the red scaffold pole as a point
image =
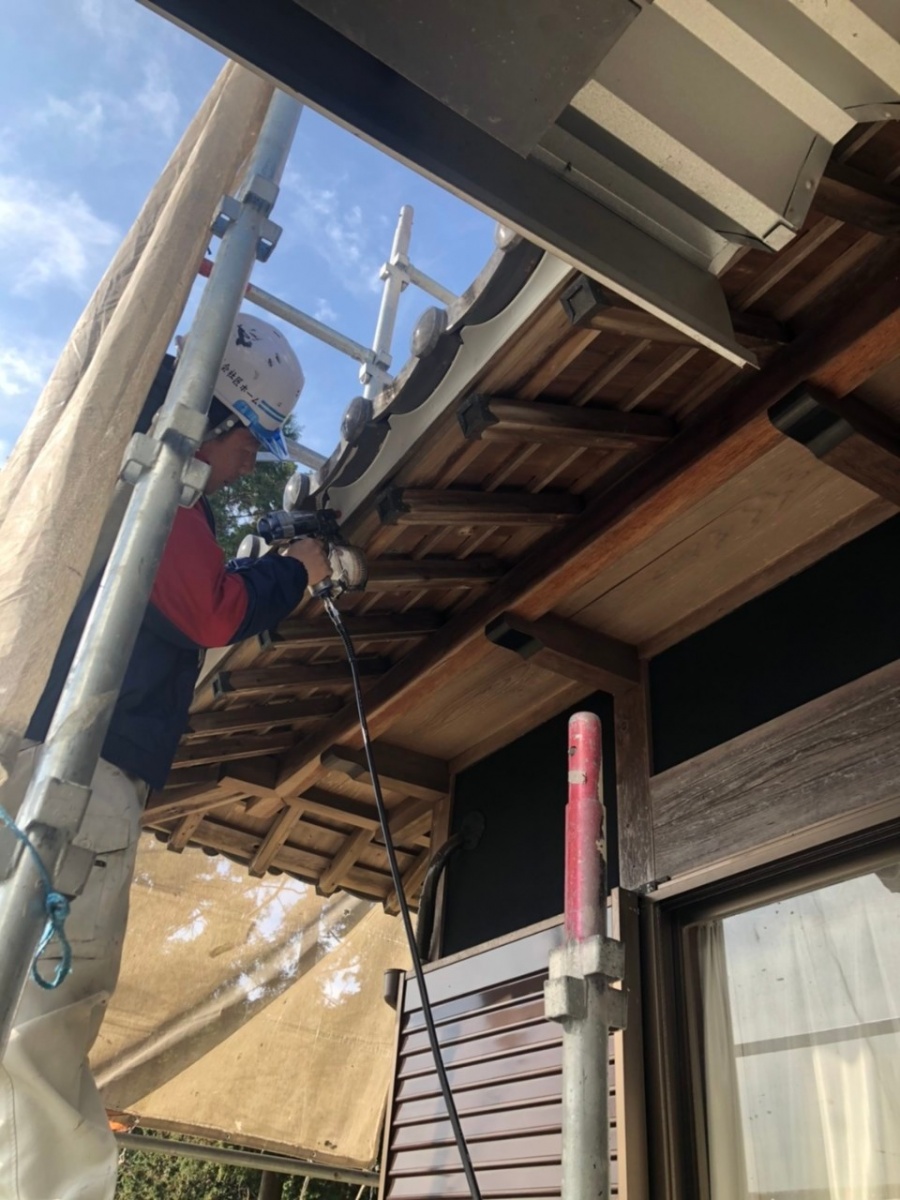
(585, 886)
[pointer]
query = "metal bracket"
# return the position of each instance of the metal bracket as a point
(268, 240)
(229, 211)
(573, 968)
(74, 870)
(193, 481)
(596, 956)
(262, 192)
(140, 454)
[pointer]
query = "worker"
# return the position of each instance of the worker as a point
(55, 1142)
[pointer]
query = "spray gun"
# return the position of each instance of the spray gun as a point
(348, 563)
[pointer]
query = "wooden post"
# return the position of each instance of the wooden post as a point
(270, 1186)
(637, 864)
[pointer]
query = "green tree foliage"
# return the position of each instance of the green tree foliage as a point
(158, 1177)
(237, 506)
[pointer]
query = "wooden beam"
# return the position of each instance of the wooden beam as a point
(329, 806)
(403, 770)
(288, 677)
(261, 716)
(493, 419)
(845, 434)
(303, 864)
(411, 819)
(371, 627)
(229, 782)
(273, 843)
(346, 857)
(587, 303)
(184, 832)
(784, 786)
(411, 574)
(257, 775)
(181, 802)
(412, 880)
(846, 345)
(634, 813)
(192, 777)
(588, 657)
(408, 819)
(192, 754)
(420, 506)
(858, 199)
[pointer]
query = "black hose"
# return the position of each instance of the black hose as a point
(458, 1134)
(425, 923)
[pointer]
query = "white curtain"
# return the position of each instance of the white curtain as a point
(801, 1019)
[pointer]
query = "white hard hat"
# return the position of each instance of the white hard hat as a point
(260, 380)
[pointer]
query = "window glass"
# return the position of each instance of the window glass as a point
(801, 1045)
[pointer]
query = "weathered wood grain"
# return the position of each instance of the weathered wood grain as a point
(785, 785)
(637, 864)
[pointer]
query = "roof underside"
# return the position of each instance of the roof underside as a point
(614, 473)
(573, 124)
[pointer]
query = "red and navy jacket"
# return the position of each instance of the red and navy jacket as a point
(198, 602)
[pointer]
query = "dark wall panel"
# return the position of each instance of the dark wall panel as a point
(514, 877)
(833, 623)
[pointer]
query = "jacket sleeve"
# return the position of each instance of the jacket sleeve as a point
(214, 604)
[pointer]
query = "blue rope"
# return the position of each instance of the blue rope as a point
(56, 908)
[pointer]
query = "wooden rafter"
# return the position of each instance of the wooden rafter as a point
(288, 677)
(405, 770)
(407, 574)
(494, 419)
(223, 749)
(587, 303)
(409, 818)
(839, 351)
(184, 832)
(412, 880)
(845, 434)
(858, 199)
(261, 716)
(420, 506)
(378, 627)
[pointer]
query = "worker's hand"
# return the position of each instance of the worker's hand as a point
(311, 554)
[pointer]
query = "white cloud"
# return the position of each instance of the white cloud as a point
(49, 238)
(115, 23)
(157, 98)
(23, 371)
(336, 230)
(324, 312)
(98, 116)
(84, 116)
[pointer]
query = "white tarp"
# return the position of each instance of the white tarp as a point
(251, 1010)
(56, 486)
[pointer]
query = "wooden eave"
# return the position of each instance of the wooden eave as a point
(600, 552)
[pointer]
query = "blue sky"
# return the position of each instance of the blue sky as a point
(95, 94)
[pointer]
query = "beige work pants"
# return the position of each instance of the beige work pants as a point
(55, 1142)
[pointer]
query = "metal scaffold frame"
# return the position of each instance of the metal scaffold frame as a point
(164, 473)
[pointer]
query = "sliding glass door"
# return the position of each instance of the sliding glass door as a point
(798, 1043)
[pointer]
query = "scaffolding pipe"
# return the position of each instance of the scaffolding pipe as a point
(420, 280)
(165, 473)
(578, 993)
(374, 376)
(301, 320)
(246, 1158)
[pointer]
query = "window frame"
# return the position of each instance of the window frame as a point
(676, 1104)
